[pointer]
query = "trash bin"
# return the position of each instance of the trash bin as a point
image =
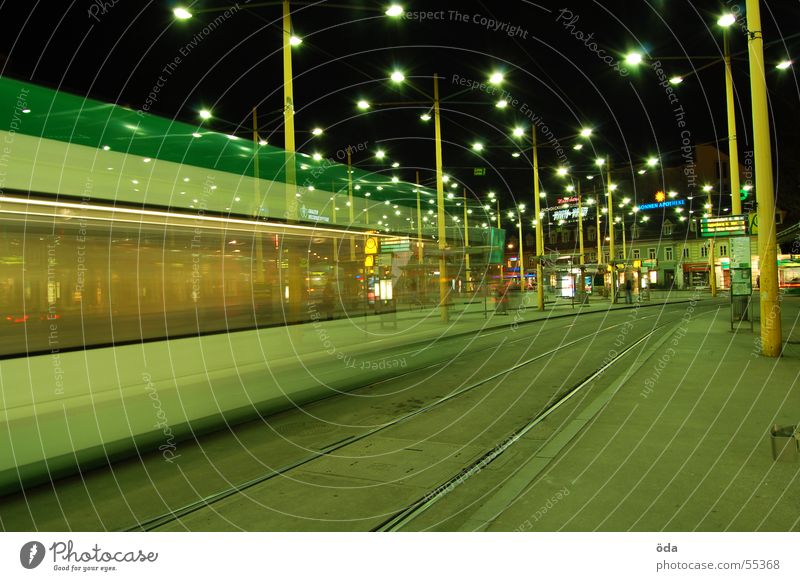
(784, 443)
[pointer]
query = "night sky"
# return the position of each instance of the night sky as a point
(563, 66)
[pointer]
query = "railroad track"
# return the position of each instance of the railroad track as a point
(409, 513)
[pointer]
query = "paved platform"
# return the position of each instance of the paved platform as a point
(681, 445)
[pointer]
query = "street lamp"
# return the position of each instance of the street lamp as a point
(725, 21)
(538, 211)
(770, 306)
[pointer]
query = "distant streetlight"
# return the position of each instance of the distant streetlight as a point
(726, 20)
(181, 13)
(496, 78)
(652, 161)
(295, 40)
(783, 65)
(204, 114)
(398, 77)
(562, 171)
(501, 104)
(633, 59)
(518, 132)
(316, 131)
(394, 10)
(380, 154)
(425, 117)
(586, 132)
(363, 105)
(676, 80)
(477, 146)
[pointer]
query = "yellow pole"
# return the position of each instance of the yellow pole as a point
(419, 223)
(537, 204)
(421, 275)
(599, 233)
(624, 246)
(712, 268)
(770, 306)
(580, 226)
(468, 276)
(288, 115)
(611, 255)
(351, 214)
(259, 254)
(521, 262)
(443, 289)
(733, 152)
(502, 260)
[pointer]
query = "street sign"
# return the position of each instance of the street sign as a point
(740, 252)
(741, 282)
(723, 226)
(390, 245)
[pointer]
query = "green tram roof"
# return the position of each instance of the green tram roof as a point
(61, 116)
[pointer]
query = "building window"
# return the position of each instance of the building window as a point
(668, 253)
(636, 254)
(666, 229)
(704, 251)
(723, 249)
(686, 252)
(565, 235)
(651, 253)
(592, 234)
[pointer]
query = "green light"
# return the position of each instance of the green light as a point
(726, 20)
(633, 59)
(181, 13)
(394, 10)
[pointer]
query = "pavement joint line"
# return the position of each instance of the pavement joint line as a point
(403, 517)
(176, 514)
(522, 478)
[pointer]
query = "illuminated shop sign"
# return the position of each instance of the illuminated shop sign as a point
(666, 204)
(568, 200)
(569, 214)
